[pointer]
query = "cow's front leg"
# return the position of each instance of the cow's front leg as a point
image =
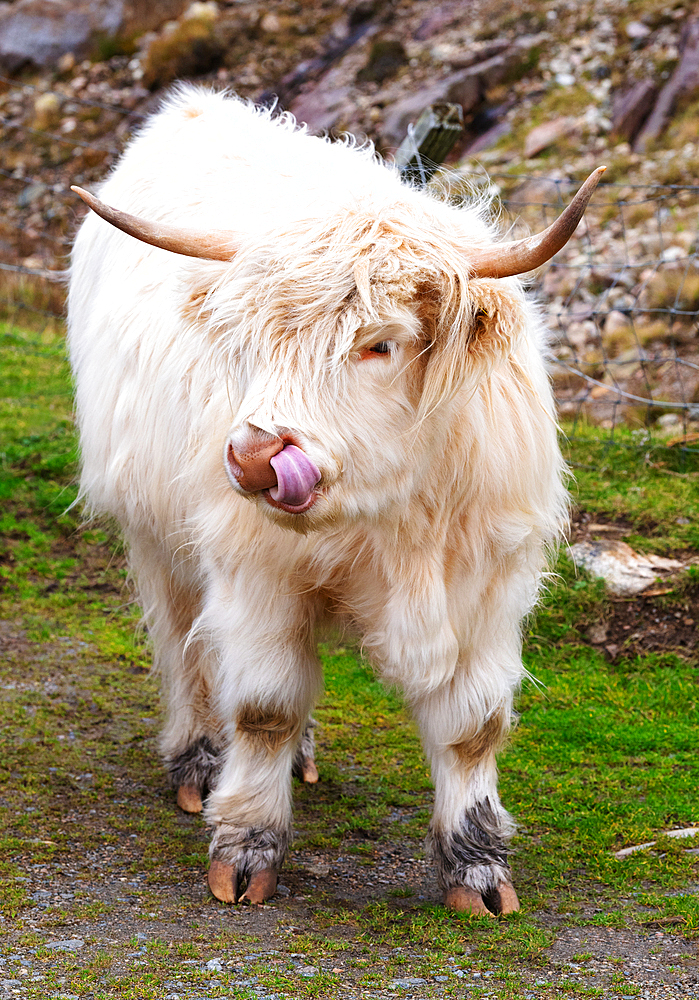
(251, 804)
(470, 829)
(269, 675)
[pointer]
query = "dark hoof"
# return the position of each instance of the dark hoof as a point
(223, 881)
(261, 886)
(189, 799)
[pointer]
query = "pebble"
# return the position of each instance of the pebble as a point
(70, 944)
(308, 971)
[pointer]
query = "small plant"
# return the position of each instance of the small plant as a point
(191, 49)
(676, 289)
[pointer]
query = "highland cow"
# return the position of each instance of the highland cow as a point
(310, 392)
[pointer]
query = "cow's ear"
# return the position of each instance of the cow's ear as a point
(471, 329)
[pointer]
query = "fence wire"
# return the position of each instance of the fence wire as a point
(621, 299)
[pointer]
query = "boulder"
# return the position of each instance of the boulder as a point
(631, 108)
(543, 136)
(320, 107)
(39, 32)
(624, 571)
(684, 80)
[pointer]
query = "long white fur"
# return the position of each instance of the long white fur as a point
(442, 479)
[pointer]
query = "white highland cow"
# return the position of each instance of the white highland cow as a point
(308, 392)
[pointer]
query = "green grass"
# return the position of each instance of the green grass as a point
(603, 757)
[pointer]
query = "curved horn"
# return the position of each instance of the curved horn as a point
(502, 260)
(215, 244)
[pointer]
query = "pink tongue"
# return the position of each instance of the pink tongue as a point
(296, 476)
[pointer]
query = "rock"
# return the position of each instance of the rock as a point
(201, 10)
(683, 80)
(31, 193)
(320, 107)
(307, 971)
(597, 634)
(270, 23)
(386, 57)
(616, 321)
(47, 111)
(489, 137)
(462, 88)
(631, 108)
(435, 22)
(40, 32)
(70, 944)
(466, 87)
(66, 63)
(624, 571)
(543, 136)
(636, 30)
(459, 57)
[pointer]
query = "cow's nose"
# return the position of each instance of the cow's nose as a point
(248, 456)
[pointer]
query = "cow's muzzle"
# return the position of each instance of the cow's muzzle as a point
(278, 469)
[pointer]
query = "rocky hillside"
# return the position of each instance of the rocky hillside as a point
(548, 90)
(542, 85)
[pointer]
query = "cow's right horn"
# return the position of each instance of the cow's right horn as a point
(213, 244)
(503, 260)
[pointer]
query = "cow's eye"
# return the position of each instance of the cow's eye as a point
(383, 347)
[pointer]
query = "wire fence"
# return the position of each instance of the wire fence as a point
(621, 299)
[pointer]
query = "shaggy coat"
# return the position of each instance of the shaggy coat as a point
(347, 323)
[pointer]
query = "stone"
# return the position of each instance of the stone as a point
(631, 107)
(70, 944)
(30, 194)
(307, 971)
(47, 110)
(636, 30)
(489, 138)
(386, 57)
(543, 136)
(615, 322)
(466, 87)
(320, 107)
(39, 32)
(624, 571)
(462, 88)
(597, 634)
(684, 80)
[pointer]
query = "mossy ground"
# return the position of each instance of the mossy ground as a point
(95, 854)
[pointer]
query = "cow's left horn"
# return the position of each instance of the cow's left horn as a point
(213, 244)
(502, 260)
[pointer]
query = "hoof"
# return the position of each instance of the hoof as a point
(464, 900)
(309, 771)
(500, 901)
(261, 886)
(189, 799)
(508, 901)
(223, 881)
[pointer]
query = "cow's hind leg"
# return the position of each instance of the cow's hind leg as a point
(470, 829)
(304, 766)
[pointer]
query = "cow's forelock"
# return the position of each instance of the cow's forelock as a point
(288, 326)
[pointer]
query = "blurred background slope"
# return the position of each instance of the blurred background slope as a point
(548, 91)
